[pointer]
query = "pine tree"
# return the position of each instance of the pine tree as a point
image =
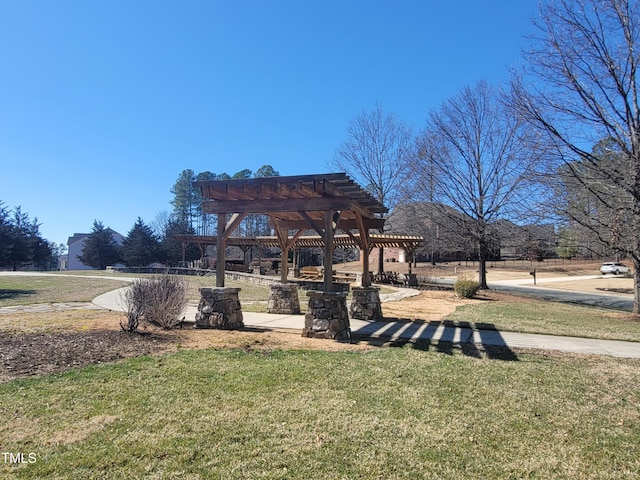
(21, 242)
(141, 247)
(266, 171)
(171, 249)
(6, 236)
(185, 203)
(100, 249)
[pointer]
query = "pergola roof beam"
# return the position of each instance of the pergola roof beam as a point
(277, 205)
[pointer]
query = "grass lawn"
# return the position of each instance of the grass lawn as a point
(530, 316)
(388, 413)
(412, 412)
(27, 290)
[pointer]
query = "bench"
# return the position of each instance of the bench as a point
(310, 273)
(345, 277)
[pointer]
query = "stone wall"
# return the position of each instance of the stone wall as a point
(244, 277)
(219, 308)
(252, 278)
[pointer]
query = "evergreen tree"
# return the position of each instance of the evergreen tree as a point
(266, 171)
(246, 173)
(141, 247)
(20, 241)
(171, 249)
(205, 223)
(185, 202)
(100, 249)
(6, 236)
(257, 223)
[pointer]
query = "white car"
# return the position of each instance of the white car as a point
(614, 267)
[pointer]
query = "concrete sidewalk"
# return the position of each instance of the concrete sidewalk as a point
(425, 331)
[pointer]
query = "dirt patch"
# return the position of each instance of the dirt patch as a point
(47, 352)
(611, 285)
(430, 305)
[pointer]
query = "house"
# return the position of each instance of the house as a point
(447, 239)
(76, 245)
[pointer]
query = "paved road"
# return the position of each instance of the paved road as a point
(616, 302)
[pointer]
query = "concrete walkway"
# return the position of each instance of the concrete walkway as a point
(425, 331)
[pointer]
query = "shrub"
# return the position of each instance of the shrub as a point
(158, 301)
(466, 288)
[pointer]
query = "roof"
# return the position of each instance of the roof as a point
(76, 238)
(286, 197)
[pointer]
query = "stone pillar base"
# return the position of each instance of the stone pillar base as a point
(219, 308)
(365, 304)
(327, 316)
(283, 298)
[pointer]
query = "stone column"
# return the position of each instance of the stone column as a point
(283, 298)
(365, 303)
(327, 316)
(219, 308)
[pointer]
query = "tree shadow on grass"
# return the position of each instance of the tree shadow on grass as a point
(10, 294)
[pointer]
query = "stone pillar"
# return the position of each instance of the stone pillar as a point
(327, 316)
(219, 308)
(365, 304)
(283, 298)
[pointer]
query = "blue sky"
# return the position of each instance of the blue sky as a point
(104, 103)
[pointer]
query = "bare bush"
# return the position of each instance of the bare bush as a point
(157, 301)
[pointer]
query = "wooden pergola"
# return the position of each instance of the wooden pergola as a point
(409, 243)
(324, 203)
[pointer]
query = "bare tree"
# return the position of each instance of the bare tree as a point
(375, 153)
(475, 164)
(596, 210)
(377, 148)
(580, 87)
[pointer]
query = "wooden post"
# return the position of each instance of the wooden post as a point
(365, 249)
(296, 252)
(284, 264)
(366, 278)
(328, 251)
(220, 247)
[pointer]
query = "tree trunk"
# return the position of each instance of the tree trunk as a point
(482, 265)
(482, 273)
(636, 286)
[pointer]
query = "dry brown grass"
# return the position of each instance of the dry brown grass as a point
(28, 290)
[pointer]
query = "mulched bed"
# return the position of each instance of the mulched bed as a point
(28, 354)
